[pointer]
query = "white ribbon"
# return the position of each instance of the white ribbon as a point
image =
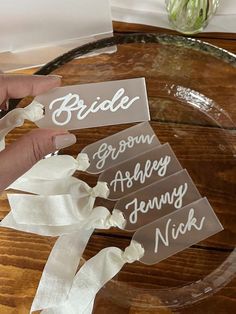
(51, 210)
(60, 269)
(59, 167)
(75, 225)
(46, 187)
(93, 275)
(57, 210)
(54, 215)
(16, 118)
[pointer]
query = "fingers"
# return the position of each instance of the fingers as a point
(18, 86)
(20, 156)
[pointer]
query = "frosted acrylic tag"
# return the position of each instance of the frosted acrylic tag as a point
(140, 171)
(157, 200)
(120, 147)
(177, 231)
(91, 105)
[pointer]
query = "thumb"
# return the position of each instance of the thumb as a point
(20, 156)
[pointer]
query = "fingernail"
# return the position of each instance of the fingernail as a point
(65, 140)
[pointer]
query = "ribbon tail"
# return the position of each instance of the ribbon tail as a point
(89, 309)
(10, 121)
(49, 210)
(9, 222)
(57, 167)
(44, 187)
(60, 269)
(91, 277)
(65, 209)
(16, 117)
(94, 274)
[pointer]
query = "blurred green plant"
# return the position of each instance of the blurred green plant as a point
(191, 16)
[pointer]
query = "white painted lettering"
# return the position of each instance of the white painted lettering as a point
(72, 102)
(127, 179)
(174, 232)
(106, 151)
(174, 197)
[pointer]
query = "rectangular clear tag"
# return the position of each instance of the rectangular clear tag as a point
(96, 104)
(157, 200)
(120, 147)
(177, 231)
(140, 171)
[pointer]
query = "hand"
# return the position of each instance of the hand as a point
(20, 156)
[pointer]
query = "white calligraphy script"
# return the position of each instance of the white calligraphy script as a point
(175, 197)
(174, 231)
(105, 150)
(67, 104)
(128, 178)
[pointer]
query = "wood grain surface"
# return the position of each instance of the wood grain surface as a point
(195, 140)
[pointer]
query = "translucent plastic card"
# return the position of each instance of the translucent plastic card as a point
(177, 231)
(157, 200)
(97, 104)
(120, 147)
(140, 171)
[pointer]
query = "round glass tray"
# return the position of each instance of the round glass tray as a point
(192, 96)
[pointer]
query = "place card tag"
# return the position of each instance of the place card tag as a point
(140, 171)
(120, 147)
(157, 200)
(96, 104)
(177, 231)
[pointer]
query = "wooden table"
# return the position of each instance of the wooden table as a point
(23, 256)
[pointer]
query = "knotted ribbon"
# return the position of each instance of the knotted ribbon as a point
(93, 275)
(62, 264)
(16, 118)
(54, 215)
(71, 216)
(60, 216)
(56, 179)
